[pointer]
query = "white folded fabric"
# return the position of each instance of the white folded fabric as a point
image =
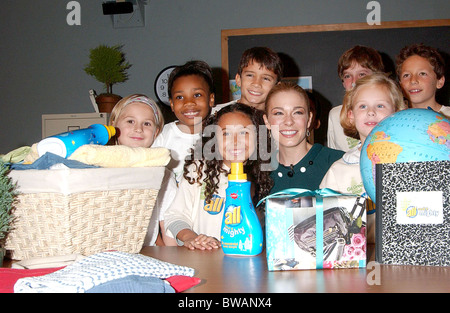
(97, 269)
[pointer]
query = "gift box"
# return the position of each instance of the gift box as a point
(319, 229)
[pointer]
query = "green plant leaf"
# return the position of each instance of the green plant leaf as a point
(8, 195)
(108, 65)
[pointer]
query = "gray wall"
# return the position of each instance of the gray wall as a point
(42, 57)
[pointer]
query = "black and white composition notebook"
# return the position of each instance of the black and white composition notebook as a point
(413, 213)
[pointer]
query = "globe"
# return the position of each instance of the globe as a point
(412, 135)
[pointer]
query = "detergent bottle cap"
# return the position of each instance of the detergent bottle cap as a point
(111, 130)
(237, 172)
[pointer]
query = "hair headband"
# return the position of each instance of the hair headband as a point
(151, 103)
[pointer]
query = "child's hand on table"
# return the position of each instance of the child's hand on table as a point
(202, 242)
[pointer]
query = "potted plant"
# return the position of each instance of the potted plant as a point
(107, 64)
(7, 198)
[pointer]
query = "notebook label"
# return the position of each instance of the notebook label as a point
(420, 207)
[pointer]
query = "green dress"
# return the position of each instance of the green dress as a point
(307, 173)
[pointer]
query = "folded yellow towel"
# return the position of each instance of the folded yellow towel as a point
(121, 156)
(32, 156)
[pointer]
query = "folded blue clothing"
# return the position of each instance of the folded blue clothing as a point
(48, 160)
(133, 284)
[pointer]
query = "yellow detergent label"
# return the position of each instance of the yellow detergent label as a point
(233, 215)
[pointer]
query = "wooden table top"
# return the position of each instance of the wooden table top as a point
(234, 274)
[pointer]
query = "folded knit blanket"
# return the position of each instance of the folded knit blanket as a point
(98, 269)
(121, 156)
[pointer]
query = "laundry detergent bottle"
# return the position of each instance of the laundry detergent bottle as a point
(241, 232)
(65, 144)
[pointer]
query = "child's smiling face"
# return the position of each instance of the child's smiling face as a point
(191, 101)
(236, 137)
(255, 83)
(137, 125)
(419, 81)
(372, 103)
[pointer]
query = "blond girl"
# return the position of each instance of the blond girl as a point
(373, 98)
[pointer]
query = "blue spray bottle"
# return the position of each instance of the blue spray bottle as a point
(65, 144)
(241, 232)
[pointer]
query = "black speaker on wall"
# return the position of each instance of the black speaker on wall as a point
(112, 8)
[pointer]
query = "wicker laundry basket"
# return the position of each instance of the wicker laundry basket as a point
(82, 211)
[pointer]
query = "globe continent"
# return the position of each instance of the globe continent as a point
(411, 135)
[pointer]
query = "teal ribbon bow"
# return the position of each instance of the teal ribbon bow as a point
(319, 194)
